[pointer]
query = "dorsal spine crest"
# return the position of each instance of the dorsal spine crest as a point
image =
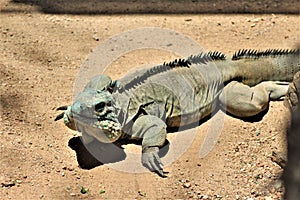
(201, 58)
(255, 54)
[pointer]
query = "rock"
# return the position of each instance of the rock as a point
(292, 97)
(268, 198)
(187, 185)
(84, 190)
(278, 185)
(280, 158)
(198, 192)
(72, 194)
(96, 38)
(268, 174)
(8, 184)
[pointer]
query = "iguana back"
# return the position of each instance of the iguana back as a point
(188, 92)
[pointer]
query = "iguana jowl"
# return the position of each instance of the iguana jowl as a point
(143, 104)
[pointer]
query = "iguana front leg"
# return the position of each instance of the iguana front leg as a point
(152, 131)
(244, 101)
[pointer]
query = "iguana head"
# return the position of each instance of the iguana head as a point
(93, 112)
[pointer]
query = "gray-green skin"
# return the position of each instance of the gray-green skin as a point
(177, 97)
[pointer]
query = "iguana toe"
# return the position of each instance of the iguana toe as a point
(151, 160)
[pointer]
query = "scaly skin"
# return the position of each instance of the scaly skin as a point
(143, 107)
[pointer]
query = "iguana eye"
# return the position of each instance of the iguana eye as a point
(100, 107)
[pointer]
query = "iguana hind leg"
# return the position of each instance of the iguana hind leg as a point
(244, 101)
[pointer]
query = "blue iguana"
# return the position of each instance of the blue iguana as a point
(141, 105)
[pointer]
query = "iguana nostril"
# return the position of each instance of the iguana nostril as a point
(77, 107)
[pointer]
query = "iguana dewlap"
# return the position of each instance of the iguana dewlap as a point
(143, 104)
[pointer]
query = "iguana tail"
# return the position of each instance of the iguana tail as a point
(252, 66)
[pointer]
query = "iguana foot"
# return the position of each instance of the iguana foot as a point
(293, 94)
(151, 160)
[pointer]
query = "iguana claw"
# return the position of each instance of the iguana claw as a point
(61, 115)
(151, 160)
(62, 108)
(66, 116)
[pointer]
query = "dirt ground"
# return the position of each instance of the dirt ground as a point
(40, 57)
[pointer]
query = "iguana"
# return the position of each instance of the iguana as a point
(141, 105)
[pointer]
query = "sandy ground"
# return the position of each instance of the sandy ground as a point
(40, 57)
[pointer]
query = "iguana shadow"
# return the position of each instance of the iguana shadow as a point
(97, 153)
(256, 118)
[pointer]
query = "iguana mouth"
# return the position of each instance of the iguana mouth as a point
(111, 129)
(105, 130)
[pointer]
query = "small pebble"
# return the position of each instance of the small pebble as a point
(187, 185)
(95, 37)
(268, 198)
